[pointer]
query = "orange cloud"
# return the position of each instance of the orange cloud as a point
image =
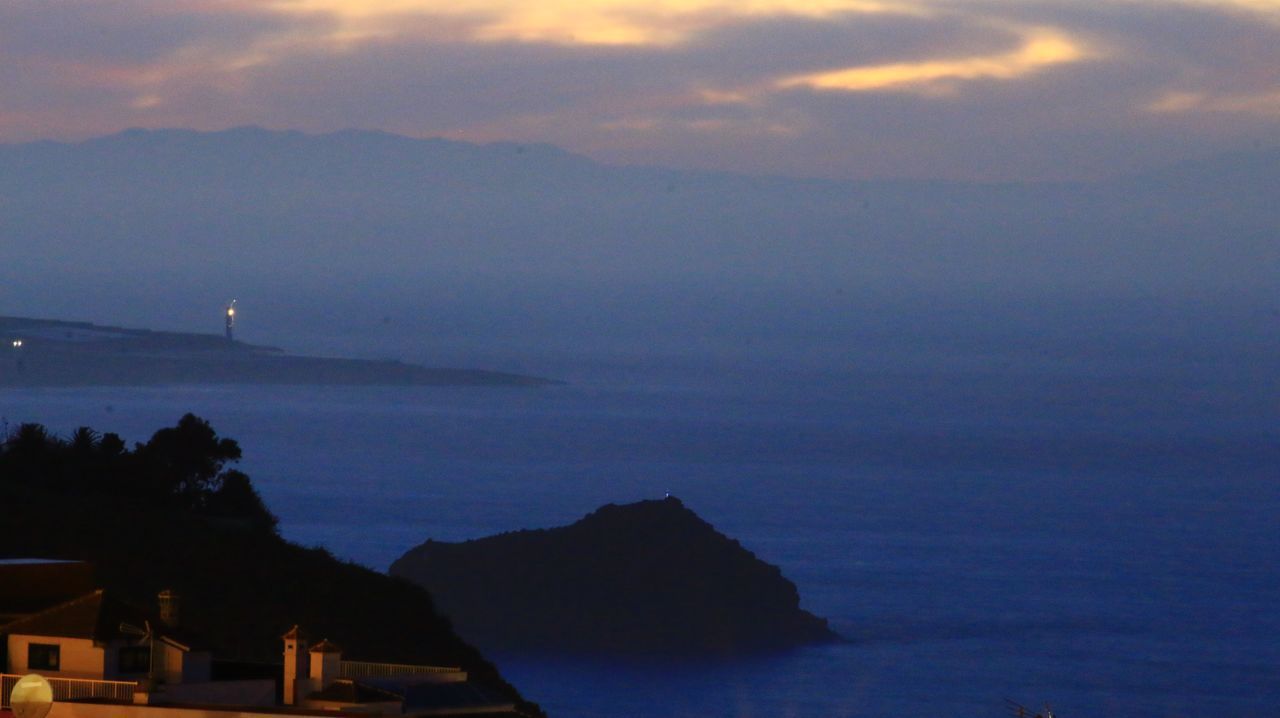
(1041, 48)
(588, 22)
(1181, 102)
(637, 22)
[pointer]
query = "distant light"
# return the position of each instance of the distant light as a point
(17, 343)
(231, 312)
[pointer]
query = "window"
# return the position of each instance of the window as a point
(135, 659)
(43, 656)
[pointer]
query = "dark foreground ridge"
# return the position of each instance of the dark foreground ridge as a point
(46, 352)
(644, 578)
(168, 514)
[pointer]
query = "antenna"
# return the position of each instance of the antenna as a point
(144, 635)
(231, 320)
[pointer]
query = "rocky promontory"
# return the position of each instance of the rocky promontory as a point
(644, 578)
(49, 352)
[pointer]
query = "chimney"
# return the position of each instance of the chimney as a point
(326, 660)
(168, 601)
(295, 666)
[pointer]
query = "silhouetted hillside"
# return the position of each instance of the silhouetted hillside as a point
(168, 514)
(650, 577)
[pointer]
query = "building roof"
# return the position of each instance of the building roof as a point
(326, 646)
(95, 616)
(294, 634)
(28, 585)
(345, 690)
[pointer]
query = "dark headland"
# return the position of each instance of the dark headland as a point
(45, 352)
(649, 578)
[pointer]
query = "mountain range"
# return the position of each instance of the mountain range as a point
(320, 223)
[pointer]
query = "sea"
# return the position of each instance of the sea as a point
(1079, 516)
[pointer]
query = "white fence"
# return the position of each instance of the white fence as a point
(363, 669)
(74, 689)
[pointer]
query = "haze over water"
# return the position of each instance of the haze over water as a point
(1079, 512)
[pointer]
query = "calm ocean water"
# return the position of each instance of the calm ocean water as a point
(1099, 534)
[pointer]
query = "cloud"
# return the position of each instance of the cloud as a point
(1040, 48)
(1262, 103)
(130, 32)
(590, 22)
(972, 88)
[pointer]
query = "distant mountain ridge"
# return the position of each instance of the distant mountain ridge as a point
(185, 144)
(344, 147)
(288, 215)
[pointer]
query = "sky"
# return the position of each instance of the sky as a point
(958, 89)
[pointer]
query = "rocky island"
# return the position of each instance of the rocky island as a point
(649, 578)
(45, 352)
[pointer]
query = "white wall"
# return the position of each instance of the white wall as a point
(78, 658)
(177, 666)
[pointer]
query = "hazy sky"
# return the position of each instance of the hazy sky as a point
(843, 88)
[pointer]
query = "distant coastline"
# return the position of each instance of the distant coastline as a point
(56, 353)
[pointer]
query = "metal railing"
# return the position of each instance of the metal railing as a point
(74, 689)
(364, 669)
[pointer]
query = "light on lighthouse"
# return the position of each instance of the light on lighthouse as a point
(231, 320)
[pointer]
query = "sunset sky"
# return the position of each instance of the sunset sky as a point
(972, 89)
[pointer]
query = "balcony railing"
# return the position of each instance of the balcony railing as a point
(74, 689)
(364, 669)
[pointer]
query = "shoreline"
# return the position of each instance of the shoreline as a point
(54, 353)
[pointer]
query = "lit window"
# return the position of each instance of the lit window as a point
(43, 657)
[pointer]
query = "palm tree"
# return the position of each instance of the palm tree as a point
(84, 441)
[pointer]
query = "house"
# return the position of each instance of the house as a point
(106, 658)
(99, 637)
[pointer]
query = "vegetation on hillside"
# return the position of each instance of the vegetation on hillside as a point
(180, 469)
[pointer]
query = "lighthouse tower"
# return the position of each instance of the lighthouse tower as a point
(231, 320)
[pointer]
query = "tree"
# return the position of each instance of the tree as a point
(237, 498)
(180, 469)
(185, 461)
